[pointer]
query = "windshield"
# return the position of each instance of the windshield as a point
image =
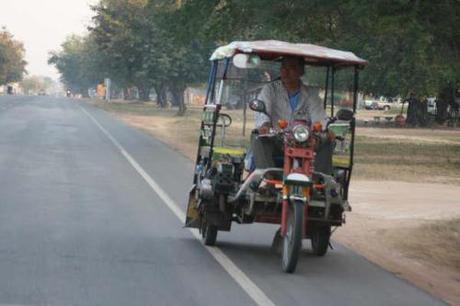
(235, 87)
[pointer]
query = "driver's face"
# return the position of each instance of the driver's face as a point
(290, 71)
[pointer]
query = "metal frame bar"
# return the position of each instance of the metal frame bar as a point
(332, 90)
(211, 80)
(353, 128)
(355, 88)
(215, 118)
(327, 86)
(209, 98)
(221, 84)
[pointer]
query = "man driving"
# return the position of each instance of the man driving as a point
(287, 98)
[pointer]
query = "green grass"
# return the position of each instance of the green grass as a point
(405, 159)
(377, 158)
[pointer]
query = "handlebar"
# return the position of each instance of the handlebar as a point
(224, 120)
(269, 135)
(272, 133)
(320, 136)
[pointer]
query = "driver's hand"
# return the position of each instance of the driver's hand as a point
(330, 136)
(264, 129)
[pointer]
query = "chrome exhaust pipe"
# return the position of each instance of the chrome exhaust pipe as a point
(256, 176)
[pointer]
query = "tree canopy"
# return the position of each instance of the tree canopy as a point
(35, 84)
(411, 45)
(79, 62)
(12, 63)
(144, 47)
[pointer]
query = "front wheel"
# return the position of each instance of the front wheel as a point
(209, 234)
(292, 241)
(320, 240)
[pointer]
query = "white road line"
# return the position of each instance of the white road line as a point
(232, 269)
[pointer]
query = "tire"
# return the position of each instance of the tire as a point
(386, 108)
(292, 241)
(209, 234)
(320, 240)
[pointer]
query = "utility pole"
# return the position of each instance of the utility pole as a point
(107, 84)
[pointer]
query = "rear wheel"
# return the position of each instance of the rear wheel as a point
(292, 241)
(320, 240)
(209, 234)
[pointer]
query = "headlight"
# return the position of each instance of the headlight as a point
(301, 133)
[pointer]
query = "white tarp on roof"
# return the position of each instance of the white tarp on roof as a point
(279, 48)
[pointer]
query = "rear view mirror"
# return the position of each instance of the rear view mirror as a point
(246, 61)
(344, 114)
(258, 106)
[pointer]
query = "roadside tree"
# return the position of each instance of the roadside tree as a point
(12, 63)
(79, 63)
(411, 45)
(36, 84)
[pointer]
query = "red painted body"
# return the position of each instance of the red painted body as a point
(304, 154)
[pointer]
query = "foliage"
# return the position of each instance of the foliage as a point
(145, 48)
(411, 45)
(36, 84)
(79, 62)
(12, 63)
(123, 36)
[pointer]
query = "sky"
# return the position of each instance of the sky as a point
(42, 25)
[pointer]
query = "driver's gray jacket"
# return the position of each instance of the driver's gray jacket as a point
(276, 99)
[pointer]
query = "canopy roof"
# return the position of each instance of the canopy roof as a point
(273, 49)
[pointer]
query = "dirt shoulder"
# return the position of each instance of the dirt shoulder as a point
(409, 228)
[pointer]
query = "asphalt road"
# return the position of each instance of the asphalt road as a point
(84, 220)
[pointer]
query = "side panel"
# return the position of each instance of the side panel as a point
(192, 219)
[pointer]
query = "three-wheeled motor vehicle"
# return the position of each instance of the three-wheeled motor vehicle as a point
(307, 202)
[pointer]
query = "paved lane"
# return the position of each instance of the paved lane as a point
(79, 226)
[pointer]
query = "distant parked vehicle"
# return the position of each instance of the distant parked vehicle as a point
(369, 104)
(377, 105)
(431, 105)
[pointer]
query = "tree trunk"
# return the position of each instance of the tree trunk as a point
(174, 99)
(182, 107)
(178, 97)
(144, 92)
(164, 97)
(84, 93)
(128, 93)
(161, 96)
(445, 98)
(125, 93)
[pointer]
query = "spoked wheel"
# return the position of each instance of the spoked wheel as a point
(292, 241)
(320, 240)
(209, 234)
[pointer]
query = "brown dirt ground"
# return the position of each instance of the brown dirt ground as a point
(385, 214)
(386, 224)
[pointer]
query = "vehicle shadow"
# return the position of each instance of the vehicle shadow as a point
(264, 257)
